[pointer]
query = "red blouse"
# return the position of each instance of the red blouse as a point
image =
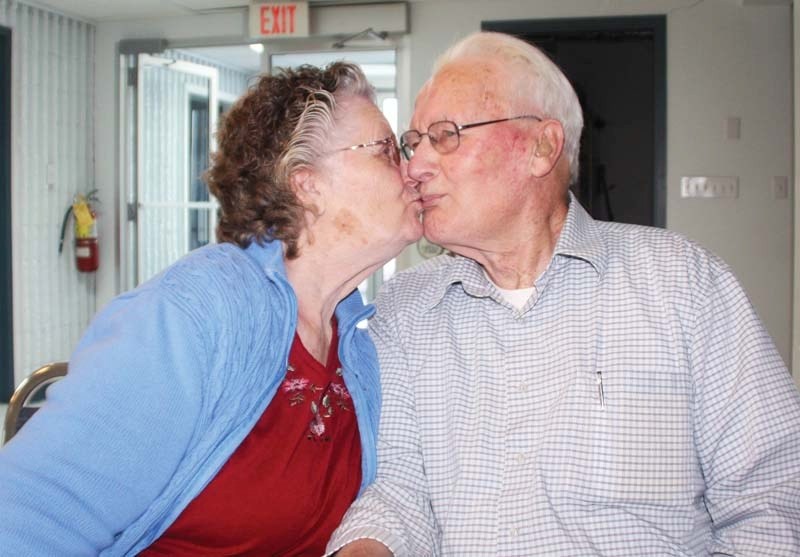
(287, 486)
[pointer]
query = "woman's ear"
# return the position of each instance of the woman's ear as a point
(548, 148)
(304, 184)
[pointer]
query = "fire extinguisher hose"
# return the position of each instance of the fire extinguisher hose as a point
(64, 229)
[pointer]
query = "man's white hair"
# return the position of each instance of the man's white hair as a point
(535, 80)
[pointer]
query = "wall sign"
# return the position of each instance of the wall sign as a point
(278, 19)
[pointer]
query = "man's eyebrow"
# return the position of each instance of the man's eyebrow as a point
(442, 118)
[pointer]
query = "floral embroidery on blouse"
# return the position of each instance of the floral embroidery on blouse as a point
(324, 400)
(292, 385)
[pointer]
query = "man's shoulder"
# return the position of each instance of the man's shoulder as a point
(649, 241)
(662, 256)
(642, 233)
(420, 283)
(428, 273)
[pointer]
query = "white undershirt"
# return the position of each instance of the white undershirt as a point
(517, 297)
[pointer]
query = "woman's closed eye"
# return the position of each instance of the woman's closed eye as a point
(390, 153)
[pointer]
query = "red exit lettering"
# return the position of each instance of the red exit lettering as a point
(277, 19)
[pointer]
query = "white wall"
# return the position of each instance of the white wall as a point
(52, 159)
(726, 60)
(723, 59)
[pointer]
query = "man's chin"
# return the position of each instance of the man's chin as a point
(431, 234)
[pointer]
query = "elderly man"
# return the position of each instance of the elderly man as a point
(560, 385)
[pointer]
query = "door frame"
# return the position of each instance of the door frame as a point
(657, 25)
(131, 118)
(6, 293)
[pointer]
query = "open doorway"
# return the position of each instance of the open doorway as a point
(6, 319)
(618, 68)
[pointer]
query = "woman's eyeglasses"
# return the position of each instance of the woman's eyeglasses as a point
(389, 144)
(445, 135)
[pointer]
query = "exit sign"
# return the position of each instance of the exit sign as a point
(279, 19)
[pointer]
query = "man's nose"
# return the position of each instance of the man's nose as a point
(424, 165)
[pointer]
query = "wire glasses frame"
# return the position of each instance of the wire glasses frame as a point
(389, 141)
(445, 135)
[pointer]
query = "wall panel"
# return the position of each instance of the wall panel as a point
(52, 160)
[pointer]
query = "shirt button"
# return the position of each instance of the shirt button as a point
(523, 387)
(521, 458)
(514, 532)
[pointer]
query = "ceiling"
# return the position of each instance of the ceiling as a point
(108, 10)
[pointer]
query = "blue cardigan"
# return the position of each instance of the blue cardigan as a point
(162, 388)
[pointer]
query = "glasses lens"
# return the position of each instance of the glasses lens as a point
(444, 136)
(409, 141)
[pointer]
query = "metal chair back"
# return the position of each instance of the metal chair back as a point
(20, 409)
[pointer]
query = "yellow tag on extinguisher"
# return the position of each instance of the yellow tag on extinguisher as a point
(84, 219)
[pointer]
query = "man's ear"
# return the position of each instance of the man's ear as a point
(548, 148)
(308, 191)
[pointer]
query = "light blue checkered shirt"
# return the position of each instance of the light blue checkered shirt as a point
(635, 406)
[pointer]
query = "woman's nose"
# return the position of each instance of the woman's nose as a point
(408, 181)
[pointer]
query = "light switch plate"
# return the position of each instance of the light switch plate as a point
(710, 186)
(733, 127)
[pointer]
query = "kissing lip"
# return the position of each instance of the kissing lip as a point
(414, 198)
(430, 200)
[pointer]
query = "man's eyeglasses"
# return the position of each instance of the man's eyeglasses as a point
(445, 135)
(389, 144)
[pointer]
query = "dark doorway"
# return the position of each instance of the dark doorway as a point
(618, 68)
(6, 319)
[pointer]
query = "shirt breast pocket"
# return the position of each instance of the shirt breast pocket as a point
(625, 437)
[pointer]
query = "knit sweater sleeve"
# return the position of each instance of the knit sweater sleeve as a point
(111, 433)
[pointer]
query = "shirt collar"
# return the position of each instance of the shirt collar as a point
(580, 238)
(269, 255)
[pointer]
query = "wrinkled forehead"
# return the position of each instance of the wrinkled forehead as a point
(463, 89)
(356, 118)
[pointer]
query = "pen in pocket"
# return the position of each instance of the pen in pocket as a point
(600, 393)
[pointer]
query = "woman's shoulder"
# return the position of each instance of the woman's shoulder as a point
(218, 279)
(218, 270)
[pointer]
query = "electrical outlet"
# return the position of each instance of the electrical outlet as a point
(780, 187)
(710, 186)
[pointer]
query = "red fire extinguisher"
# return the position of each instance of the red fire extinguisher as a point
(85, 218)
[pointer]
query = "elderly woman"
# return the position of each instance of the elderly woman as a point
(229, 406)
